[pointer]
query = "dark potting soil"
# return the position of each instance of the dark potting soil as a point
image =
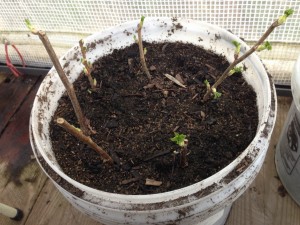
(135, 119)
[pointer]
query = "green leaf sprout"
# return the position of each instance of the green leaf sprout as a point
(179, 139)
(236, 69)
(85, 71)
(236, 44)
(29, 25)
(142, 21)
(286, 14)
(265, 46)
(216, 94)
(237, 48)
(206, 83)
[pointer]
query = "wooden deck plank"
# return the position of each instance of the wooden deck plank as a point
(3, 77)
(12, 95)
(51, 208)
(262, 204)
(21, 178)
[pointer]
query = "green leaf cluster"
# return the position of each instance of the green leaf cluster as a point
(286, 14)
(265, 46)
(237, 69)
(178, 139)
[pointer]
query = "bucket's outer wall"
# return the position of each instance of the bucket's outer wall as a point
(206, 202)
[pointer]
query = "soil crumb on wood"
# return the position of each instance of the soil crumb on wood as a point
(135, 119)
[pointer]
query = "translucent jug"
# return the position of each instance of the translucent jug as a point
(287, 157)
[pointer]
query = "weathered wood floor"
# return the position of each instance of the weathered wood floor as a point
(23, 185)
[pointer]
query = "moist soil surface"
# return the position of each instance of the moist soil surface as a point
(135, 119)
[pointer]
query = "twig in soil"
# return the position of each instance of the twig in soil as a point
(128, 181)
(259, 45)
(68, 85)
(85, 139)
(195, 96)
(141, 49)
(151, 182)
(176, 128)
(197, 81)
(164, 47)
(87, 66)
(157, 155)
(174, 80)
(132, 95)
(115, 158)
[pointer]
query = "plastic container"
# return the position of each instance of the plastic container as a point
(288, 147)
(207, 202)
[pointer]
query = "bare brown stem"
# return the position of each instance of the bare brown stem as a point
(69, 86)
(183, 155)
(86, 65)
(85, 139)
(141, 50)
(240, 59)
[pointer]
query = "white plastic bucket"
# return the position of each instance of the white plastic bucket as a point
(205, 202)
(288, 147)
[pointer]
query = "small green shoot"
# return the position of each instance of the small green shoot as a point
(85, 71)
(237, 69)
(237, 49)
(29, 26)
(215, 93)
(265, 46)
(287, 13)
(213, 90)
(142, 21)
(178, 139)
(207, 84)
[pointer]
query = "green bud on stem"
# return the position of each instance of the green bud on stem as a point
(28, 24)
(237, 48)
(142, 21)
(265, 46)
(235, 70)
(287, 13)
(215, 93)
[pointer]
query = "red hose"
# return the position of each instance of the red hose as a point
(12, 68)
